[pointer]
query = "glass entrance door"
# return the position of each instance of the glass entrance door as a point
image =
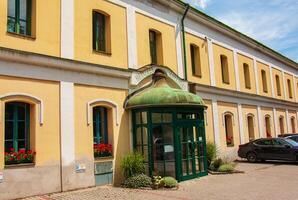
(191, 152)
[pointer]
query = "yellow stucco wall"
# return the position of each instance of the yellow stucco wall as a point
(203, 49)
(241, 60)
(276, 72)
(217, 51)
(46, 39)
(46, 140)
(144, 24)
(83, 33)
(222, 109)
(267, 112)
(289, 77)
(209, 122)
(296, 88)
(252, 111)
(84, 132)
(262, 66)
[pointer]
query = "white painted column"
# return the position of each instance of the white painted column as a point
(131, 37)
(179, 51)
(256, 76)
(67, 123)
(284, 84)
(211, 61)
(272, 83)
(236, 69)
(216, 124)
(241, 127)
(275, 122)
(288, 121)
(67, 29)
(260, 121)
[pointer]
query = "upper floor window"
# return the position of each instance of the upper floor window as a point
(224, 69)
(195, 60)
(278, 89)
(101, 32)
(19, 16)
(290, 88)
(264, 81)
(246, 76)
(155, 43)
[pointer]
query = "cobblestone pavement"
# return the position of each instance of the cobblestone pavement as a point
(266, 181)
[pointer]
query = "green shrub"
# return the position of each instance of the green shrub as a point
(170, 182)
(138, 181)
(211, 152)
(157, 182)
(228, 167)
(132, 164)
(215, 164)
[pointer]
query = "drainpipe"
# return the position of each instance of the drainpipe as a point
(183, 41)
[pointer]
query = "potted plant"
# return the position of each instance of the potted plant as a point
(102, 150)
(22, 156)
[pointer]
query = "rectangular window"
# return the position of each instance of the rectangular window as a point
(153, 46)
(290, 88)
(278, 89)
(19, 16)
(246, 76)
(99, 32)
(264, 81)
(224, 69)
(195, 60)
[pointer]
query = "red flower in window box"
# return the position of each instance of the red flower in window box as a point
(19, 157)
(102, 150)
(229, 140)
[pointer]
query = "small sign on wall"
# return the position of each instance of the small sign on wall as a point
(1, 177)
(80, 168)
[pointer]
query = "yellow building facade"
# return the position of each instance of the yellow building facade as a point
(65, 77)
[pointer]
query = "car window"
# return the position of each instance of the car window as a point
(292, 142)
(264, 142)
(278, 142)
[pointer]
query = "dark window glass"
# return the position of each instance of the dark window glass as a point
(264, 142)
(99, 31)
(100, 125)
(153, 46)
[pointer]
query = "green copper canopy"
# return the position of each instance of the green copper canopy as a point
(161, 94)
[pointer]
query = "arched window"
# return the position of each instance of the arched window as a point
(101, 32)
(195, 60)
(100, 125)
(281, 125)
(264, 81)
(155, 44)
(250, 127)
(293, 124)
(246, 76)
(277, 82)
(224, 69)
(290, 89)
(17, 126)
(268, 126)
(228, 123)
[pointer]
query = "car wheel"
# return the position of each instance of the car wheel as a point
(251, 157)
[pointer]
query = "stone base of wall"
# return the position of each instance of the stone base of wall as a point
(29, 181)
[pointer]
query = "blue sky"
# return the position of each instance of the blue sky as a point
(272, 22)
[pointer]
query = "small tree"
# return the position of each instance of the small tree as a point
(211, 152)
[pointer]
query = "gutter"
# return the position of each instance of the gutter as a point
(183, 40)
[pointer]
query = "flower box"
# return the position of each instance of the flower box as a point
(102, 150)
(20, 157)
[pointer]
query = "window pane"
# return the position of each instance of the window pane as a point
(138, 118)
(156, 118)
(23, 9)
(21, 130)
(144, 117)
(8, 146)
(8, 130)
(21, 112)
(139, 136)
(167, 117)
(145, 136)
(23, 27)
(9, 111)
(11, 8)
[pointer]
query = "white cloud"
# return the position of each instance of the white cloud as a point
(198, 3)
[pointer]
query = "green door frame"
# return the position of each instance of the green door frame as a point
(198, 122)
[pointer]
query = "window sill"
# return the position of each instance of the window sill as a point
(101, 159)
(22, 165)
(21, 36)
(198, 76)
(102, 53)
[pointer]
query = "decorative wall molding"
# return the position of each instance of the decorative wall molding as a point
(103, 102)
(31, 99)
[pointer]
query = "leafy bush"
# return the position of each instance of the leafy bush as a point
(228, 167)
(170, 182)
(215, 164)
(211, 152)
(157, 182)
(138, 181)
(132, 164)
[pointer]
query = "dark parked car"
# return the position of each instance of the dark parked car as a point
(269, 149)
